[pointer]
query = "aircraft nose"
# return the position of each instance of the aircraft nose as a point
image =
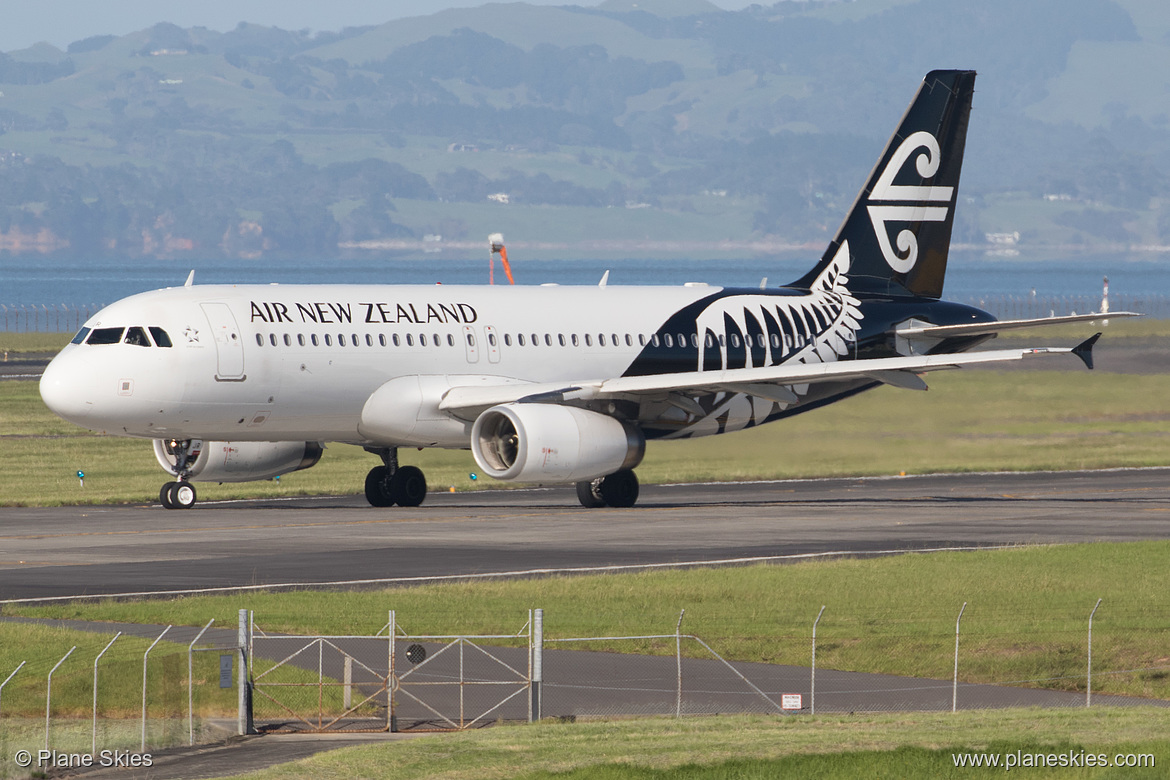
(65, 391)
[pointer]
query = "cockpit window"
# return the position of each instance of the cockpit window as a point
(137, 337)
(160, 337)
(106, 336)
(80, 337)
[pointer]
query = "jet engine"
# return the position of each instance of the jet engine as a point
(533, 442)
(240, 461)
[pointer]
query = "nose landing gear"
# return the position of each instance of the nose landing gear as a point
(180, 494)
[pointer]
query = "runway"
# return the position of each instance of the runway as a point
(71, 551)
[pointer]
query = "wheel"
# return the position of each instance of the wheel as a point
(409, 486)
(378, 491)
(619, 489)
(164, 495)
(588, 496)
(182, 495)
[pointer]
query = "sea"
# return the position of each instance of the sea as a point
(971, 276)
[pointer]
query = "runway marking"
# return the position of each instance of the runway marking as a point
(614, 568)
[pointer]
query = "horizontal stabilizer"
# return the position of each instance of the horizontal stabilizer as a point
(1084, 350)
(980, 328)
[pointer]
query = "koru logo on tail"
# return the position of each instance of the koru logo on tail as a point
(908, 204)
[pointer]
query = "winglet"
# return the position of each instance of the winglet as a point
(1084, 350)
(190, 279)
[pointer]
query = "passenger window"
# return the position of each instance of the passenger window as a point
(137, 337)
(450, 340)
(397, 341)
(561, 338)
(422, 339)
(576, 342)
(409, 340)
(354, 340)
(667, 339)
(106, 336)
(507, 339)
(695, 340)
(641, 339)
(520, 339)
(328, 340)
(589, 340)
(382, 339)
(735, 339)
(259, 340)
(654, 340)
(301, 339)
(438, 342)
(341, 339)
(600, 339)
(370, 341)
(709, 341)
(160, 337)
(616, 343)
(287, 340)
(314, 338)
(80, 337)
(272, 339)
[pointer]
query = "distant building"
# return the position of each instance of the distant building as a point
(499, 197)
(1003, 239)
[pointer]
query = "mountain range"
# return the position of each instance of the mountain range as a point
(628, 128)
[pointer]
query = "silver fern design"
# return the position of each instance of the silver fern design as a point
(766, 330)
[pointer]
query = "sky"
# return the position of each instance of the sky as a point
(61, 22)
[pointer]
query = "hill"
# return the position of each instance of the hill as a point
(643, 122)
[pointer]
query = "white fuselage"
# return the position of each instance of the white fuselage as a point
(288, 362)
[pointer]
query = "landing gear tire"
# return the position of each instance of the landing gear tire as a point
(588, 496)
(378, 487)
(164, 495)
(619, 489)
(409, 486)
(182, 495)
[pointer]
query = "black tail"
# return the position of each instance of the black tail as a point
(898, 232)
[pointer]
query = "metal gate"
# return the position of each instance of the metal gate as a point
(319, 684)
(456, 682)
(391, 682)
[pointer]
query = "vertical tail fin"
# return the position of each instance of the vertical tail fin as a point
(898, 232)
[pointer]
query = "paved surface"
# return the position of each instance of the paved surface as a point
(57, 552)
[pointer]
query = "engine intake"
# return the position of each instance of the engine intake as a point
(241, 461)
(549, 443)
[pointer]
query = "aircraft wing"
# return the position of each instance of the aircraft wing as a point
(770, 382)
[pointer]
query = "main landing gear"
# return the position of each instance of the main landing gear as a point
(392, 484)
(619, 489)
(180, 494)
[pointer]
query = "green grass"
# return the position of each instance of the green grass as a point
(909, 745)
(1026, 617)
(969, 421)
(17, 343)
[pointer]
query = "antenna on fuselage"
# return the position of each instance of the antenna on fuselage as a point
(496, 243)
(190, 279)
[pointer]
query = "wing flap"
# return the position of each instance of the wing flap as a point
(765, 381)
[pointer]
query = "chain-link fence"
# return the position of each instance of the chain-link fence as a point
(164, 687)
(46, 317)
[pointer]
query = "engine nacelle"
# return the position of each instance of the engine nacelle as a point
(536, 442)
(241, 461)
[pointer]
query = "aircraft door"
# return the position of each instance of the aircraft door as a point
(229, 343)
(493, 343)
(470, 343)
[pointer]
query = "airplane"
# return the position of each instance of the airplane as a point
(544, 384)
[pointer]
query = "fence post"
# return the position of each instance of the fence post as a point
(93, 749)
(1089, 677)
(242, 675)
(537, 662)
(144, 657)
(530, 637)
(955, 688)
(812, 683)
(49, 693)
(191, 684)
(678, 662)
(391, 680)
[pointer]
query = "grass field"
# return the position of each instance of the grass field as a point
(969, 421)
(908, 745)
(1026, 617)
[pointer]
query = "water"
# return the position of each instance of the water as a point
(28, 281)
